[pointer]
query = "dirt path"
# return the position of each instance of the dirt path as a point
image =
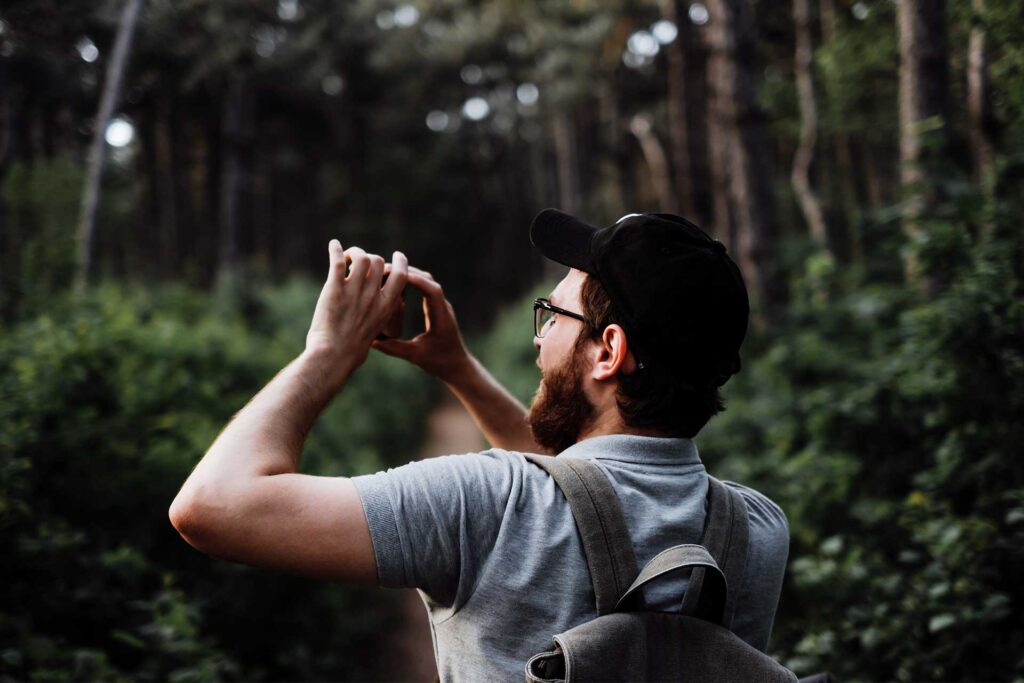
(450, 430)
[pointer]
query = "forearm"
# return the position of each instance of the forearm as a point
(498, 414)
(266, 437)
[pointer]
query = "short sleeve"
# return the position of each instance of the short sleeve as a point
(767, 552)
(433, 523)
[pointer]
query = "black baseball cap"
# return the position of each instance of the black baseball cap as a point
(676, 292)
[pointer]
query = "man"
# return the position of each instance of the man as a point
(633, 345)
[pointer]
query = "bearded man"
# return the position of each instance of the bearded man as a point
(634, 344)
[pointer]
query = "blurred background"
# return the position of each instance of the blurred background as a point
(171, 173)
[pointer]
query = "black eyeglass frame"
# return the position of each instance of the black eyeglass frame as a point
(545, 305)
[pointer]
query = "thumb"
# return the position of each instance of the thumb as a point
(394, 347)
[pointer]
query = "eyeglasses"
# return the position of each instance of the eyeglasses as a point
(544, 313)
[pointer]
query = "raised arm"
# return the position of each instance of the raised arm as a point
(440, 351)
(245, 501)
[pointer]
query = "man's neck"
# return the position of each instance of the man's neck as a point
(609, 421)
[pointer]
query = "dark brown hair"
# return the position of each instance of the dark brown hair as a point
(649, 399)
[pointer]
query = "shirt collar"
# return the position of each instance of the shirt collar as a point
(654, 450)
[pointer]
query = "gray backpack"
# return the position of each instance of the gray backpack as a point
(627, 642)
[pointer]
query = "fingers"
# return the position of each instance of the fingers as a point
(338, 266)
(421, 273)
(359, 264)
(376, 271)
(398, 271)
(423, 282)
(399, 348)
(435, 306)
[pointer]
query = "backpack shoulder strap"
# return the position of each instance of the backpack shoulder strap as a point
(602, 528)
(726, 535)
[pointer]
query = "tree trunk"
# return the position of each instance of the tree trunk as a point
(611, 130)
(980, 113)
(675, 54)
(567, 166)
(757, 231)
(9, 254)
(166, 184)
(800, 175)
(98, 149)
(657, 162)
(718, 147)
(231, 172)
(842, 222)
(922, 89)
(564, 134)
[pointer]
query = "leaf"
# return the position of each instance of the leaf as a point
(940, 621)
(128, 639)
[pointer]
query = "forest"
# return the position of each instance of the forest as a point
(171, 172)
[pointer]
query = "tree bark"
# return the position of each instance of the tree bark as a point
(757, 230)
(800, 175)
(566, 154)
(657, 162)
(9, 254)
(675, 54)
(922, 94)
(166, 184)
(231, 179)
(611, 130)
(567, 166)
(718, 154)
(98, 149)
(979, 112)
(844, 223)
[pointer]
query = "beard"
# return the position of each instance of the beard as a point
(561, 411)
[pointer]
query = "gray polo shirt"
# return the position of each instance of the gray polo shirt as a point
(490, 542)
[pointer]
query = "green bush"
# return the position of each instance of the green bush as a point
(889, 432)
(108, 403)
(37, 257)
(508, 351)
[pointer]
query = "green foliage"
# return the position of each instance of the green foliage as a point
(108, 403)
(508, 351)
(858, 71)
(889, 431)
(38, 258)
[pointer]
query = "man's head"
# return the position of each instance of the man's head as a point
(665, 313)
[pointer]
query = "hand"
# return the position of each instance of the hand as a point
(439, 350)
(353, 310)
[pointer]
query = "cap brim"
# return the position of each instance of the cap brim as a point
(562, 238)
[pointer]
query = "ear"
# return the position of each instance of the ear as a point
(612, 355)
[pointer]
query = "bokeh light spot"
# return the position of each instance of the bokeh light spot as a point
(406, 16)
(471, 74)
(528, 94)
(664, 31)
(642, 43)
(87, 50)
(288, 10)
(120, 133)
(476, 109)
(332, 84)
(437, 121)
(699, 14)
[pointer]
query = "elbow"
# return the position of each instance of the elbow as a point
(193, 520)
(183, 516)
